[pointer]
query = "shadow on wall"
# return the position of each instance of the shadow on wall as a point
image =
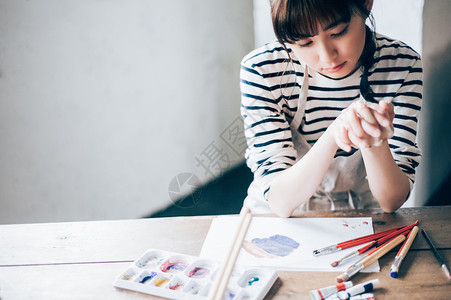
(442, 196)
(438, 139)
(224, 195)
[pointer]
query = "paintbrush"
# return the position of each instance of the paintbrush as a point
(364, 263)
(374, 243)
(357, 241)
(437, 255)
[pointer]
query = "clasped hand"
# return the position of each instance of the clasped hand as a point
(363, 125)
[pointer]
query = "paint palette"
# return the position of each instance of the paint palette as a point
(179, 276)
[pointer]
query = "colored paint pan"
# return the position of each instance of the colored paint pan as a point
(178, 276)
(201, 269)
(175, 264)
(146, 277)
(151, 259)
(177, 284)
(128, 275)
(160, 280)
(252, 278)
(192, 288)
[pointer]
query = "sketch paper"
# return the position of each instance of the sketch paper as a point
(288, 243)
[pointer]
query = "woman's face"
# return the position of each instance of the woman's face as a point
(335, 50)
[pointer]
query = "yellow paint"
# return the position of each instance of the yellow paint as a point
(160, 282)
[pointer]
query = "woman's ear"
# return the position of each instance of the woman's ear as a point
(369, 4)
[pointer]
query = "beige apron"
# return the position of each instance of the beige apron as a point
(344, 186)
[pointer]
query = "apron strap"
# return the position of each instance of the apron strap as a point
(302, 100)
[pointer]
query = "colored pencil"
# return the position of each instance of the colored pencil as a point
(357, 241)
(375, 243)
(437, 255)
(222, 279)
(403, 252)
(364, 263)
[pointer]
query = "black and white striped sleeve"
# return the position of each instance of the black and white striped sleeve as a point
(407, 103)
(270, 147)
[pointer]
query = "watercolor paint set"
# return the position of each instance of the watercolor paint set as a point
(179, 276)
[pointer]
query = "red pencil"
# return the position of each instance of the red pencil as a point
(358, 241)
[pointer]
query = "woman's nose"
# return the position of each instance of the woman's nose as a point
(327, 53)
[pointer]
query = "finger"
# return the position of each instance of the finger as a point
(383, 120)
(365, 113)
(384, 109)
(343, 140)
(371, 129)
(343, 146)
(358, 142)
(377, 107)
(390, 108)
(354, 122)
(388, 132)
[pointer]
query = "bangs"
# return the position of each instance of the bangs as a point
(294, 20)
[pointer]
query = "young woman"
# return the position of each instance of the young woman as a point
(330, 111)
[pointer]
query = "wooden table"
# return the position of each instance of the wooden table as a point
(80, 260)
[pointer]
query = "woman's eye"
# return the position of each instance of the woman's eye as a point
(305, 44)
(341, 33)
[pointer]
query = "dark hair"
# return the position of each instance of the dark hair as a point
(294, 19)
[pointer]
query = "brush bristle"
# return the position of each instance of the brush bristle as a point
(335, 263)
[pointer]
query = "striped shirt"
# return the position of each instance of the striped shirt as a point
(269, 98)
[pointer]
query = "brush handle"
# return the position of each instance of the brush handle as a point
(431, 244)
(220, 284)
(382, 251)
(409, 241)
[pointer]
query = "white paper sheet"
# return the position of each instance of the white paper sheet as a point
(288, 243)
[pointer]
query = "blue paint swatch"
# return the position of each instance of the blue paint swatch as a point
(278, 245)
(177, 266)
(149, 277)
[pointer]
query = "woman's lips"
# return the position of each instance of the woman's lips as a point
(335, 68)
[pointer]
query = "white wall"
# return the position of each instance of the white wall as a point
(103, 103)
(400, 19)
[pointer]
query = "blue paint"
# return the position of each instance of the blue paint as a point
(178, 267)
(278, 245)
(168, 266)
(149, 277)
